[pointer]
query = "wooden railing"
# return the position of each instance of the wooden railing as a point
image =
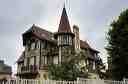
(28, 69)
(50, 51)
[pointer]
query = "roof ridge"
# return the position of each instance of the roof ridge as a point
(42, 29)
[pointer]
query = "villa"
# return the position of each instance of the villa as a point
(43, 47)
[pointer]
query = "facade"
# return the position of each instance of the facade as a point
(43, 47)
(5, 71)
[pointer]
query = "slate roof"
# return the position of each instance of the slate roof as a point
(64, 25)
(40, 33)
(85, 45)
(47, 35)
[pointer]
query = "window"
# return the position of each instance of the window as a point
(28, 61)
(33, 45)
(65, 39)
(70, 41)
(94, 65)
(45, 61)
(43, 44)
(55, 60)
(28, 47)
(49, 60)
(59, 40)
(38, 44)
(90, 65)
(32, 60)
(41, 60)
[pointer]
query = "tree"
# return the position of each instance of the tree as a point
(69, 69)
(117, 47)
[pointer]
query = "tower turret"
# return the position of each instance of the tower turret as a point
(64, 35)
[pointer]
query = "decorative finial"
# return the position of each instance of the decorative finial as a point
(64, 4)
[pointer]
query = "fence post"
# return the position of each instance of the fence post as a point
(78, 80)
(40, 81)
(125, 81)
(9, 81)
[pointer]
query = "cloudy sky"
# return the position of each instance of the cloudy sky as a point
(92, 16)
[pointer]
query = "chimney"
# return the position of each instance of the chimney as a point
(77, 38)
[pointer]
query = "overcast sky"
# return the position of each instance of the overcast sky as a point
(92, 16)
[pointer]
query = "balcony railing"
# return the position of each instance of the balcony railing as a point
(29, 69)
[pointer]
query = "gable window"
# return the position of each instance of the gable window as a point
(33, 45)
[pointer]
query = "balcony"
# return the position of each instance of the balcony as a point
(31, 69)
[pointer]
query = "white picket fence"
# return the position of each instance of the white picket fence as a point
(79, 81)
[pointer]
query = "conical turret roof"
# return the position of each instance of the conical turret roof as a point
(64, 25)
